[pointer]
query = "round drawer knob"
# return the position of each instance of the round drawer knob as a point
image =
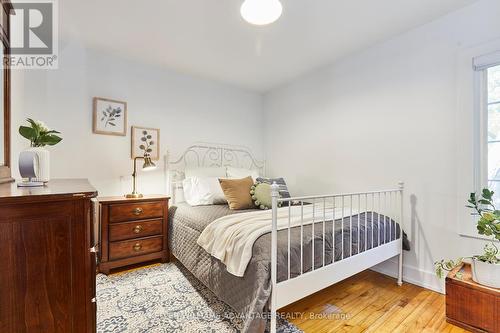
(137, 211)
(137, 229)
(137, 247)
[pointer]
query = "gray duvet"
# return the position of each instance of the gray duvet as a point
(248, 295)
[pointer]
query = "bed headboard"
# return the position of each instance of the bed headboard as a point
(204, 155)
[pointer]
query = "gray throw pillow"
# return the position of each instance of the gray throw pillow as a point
(283, 189)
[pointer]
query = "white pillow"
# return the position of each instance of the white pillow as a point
(239, 173)
(219, 172)
(200, 191)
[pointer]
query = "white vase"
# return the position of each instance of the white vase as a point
(485, 273)
(43, 164)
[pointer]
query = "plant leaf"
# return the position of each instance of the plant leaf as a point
(32, 123)
(27, 132)
(487, 194)
(50, 140)
(35, 127)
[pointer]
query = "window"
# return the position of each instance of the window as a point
(492, 160)
(478, 128)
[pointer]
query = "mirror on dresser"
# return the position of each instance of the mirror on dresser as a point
(5, 160)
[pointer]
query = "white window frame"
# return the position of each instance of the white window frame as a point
(472, 154)
(481, 129)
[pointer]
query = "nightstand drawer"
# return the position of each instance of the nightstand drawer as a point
(135, 211)
(135, 247)
(135, 229)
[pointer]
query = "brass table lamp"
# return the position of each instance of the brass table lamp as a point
(147, 166)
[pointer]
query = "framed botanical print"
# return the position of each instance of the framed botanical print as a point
(145, 140)
(109, 116)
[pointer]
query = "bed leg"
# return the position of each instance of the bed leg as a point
(400, 269)
(272, 328)
(401, 235)
(274, 256)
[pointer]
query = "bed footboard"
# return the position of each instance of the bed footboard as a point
(354, 231)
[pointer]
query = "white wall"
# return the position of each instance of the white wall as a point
(386, 114)
(186, 109)
(383, 115)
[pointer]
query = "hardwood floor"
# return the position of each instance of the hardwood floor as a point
(371, 302)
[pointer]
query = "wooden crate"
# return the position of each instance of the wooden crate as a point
(470, 305)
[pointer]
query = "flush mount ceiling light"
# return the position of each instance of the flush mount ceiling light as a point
(261, 12)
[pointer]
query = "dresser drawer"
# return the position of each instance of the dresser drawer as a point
(135, 229)
(135, 211)
(135, 247)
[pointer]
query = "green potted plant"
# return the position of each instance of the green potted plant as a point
(485, 267)
(40, 136)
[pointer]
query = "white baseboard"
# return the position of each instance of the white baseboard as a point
(412, 275)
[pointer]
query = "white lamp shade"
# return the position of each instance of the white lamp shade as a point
(261, 12)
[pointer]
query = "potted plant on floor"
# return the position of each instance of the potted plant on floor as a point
(485, 267)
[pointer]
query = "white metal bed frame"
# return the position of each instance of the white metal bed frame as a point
(389, 202)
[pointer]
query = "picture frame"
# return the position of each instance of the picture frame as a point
(144, 138)
(109, 117)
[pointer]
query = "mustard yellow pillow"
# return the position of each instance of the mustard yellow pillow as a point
(237, 192)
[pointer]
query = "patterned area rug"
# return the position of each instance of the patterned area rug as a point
(163, 298)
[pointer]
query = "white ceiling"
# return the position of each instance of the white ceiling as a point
(208, 38)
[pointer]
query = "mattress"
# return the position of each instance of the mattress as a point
(249, 295)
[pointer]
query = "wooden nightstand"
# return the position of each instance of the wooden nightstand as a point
(470, 305)
(132, 231)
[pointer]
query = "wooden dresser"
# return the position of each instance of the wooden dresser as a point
(47, 275)
(470, 305)
(133, 231)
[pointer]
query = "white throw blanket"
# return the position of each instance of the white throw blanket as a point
(230, 238)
